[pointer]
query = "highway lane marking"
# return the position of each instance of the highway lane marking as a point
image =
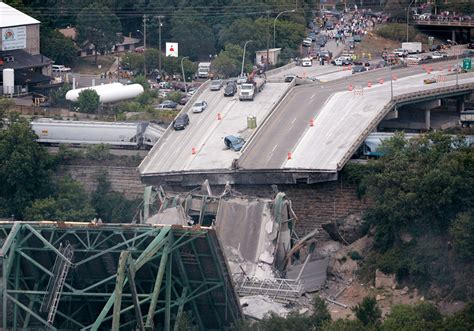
(274, 148)
(312, 96)
(293, 122)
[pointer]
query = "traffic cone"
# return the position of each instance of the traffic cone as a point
(381, 81)
(449, 68)
(350, 87)
(193, 151)
(289, 155)
(394, 77)
(369, 84)
(219, 117)
(311, 122)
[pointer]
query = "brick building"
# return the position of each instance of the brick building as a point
(20, 50)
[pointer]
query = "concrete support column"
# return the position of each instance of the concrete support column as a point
(460, 104)
(453, 34)
(427, 119)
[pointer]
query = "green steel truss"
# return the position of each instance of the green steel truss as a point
(120, 277)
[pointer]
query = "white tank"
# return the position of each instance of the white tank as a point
(8, 81)
(109, 92)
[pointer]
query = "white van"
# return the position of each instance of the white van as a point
(60, 68)
(306, 62)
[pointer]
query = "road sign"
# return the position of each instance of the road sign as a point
(172, 49)
(467, 64)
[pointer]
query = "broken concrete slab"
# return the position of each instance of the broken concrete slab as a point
(170, 216)
(313, 274)
(257, 306)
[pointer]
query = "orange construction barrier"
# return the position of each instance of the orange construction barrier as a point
(369, 84)
(311, 122)
(350, 87)
(394, 77)
(381, 81)
(289, 155)
(449, 68)
(219, 117)
(193, 151)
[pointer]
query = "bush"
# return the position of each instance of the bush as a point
(368, 311)
(98, 152)
(396, 31)
(355, 255)
(88, 101)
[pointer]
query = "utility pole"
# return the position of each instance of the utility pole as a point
(159, 41)
(268, 40)
(145, 18)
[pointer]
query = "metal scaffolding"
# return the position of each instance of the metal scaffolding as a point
(65, 276)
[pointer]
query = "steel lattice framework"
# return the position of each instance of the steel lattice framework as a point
(115, 276)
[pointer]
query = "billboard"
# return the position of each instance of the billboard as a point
(172, 49)
(14, 38)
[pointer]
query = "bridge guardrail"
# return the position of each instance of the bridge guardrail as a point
(392, 103)
(280, 69)
(446, 23)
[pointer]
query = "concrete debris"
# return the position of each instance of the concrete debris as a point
(170, 216)
(384, 281)
(257, 306)
(313, 274)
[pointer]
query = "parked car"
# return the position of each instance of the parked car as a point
(400, 52)
(412, 58)
(241, 80)
(357, 69)
(167, 104)
(439, 55)
(181, 122)
(306, 62)
(199, 106)
(289, 78)
(60, 68)
(230, 89)
(307, 42)
(340, 61)
(234, 143)
(329, 25)
(216, 85)
(312, 35)
(184, 100)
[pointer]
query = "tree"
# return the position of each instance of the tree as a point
(194, 36)
(97, 25)
(69, 202)
(25, 168)
(88, 101)
(462, 231)
(368, 311)
(5, 107)
(57, 47)
(111, 206)
(420, 317)
(229, 61)
(58, 97)
(397, 9)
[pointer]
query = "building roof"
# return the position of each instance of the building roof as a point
(25, 77)
(128, 41)
(10, 17)
(23, 60)
(271, 50)
(69, 33)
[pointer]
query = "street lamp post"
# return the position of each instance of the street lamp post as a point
(243, 57)
(159, 41)
(408, 15)
(184, 77)
(274, 23)
(268, 40)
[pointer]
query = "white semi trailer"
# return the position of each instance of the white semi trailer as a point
(112, 92)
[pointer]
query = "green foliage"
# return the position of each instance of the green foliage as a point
(194, 36)
(141, 79)
(147, 97)
(344, 325)
(462, 231)
(25, 168)
(175, 96)
(354, 255)
(396, 31)
(229, 61)
(420, 317)
(99, 26)
(56, 46)
(110, 206)
(88, 101)
(5, 107)
(68, 203)
(66, 154)
(98, 152)
(463, 320)
(368, 311)
(397, 9)
(58, 97)
(133, 61)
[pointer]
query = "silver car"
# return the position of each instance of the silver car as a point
(216, 85)
(199, 106)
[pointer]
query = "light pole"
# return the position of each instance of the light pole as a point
(184, 77)
(408, 15)
(274, 23)
(243, 57)
(268, 40)
(159, 41)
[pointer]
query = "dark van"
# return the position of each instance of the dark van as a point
(181, 122)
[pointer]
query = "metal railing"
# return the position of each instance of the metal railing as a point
(445, 22)
(278, 289)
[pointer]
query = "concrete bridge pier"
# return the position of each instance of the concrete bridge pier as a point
(427, 119)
